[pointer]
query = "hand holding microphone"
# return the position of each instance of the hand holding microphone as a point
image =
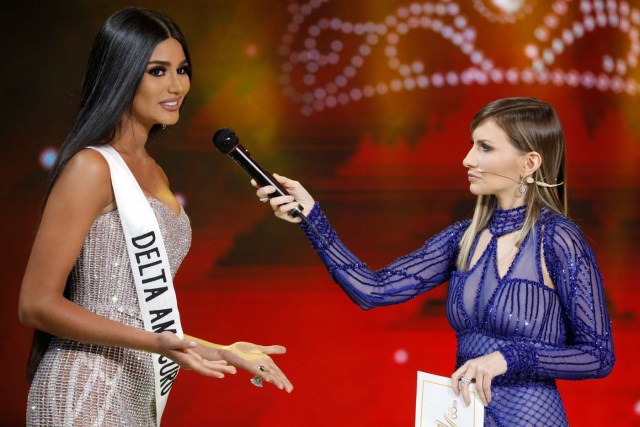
(296, 196)
(228, 143)
(287, 197)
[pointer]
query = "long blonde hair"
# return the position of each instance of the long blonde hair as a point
(530, 125)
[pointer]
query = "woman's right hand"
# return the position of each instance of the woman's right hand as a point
(281, 205)
(182, 352)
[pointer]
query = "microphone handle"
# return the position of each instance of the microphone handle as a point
(243, 158)
(261, 176)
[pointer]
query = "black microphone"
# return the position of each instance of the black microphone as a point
(228, 143)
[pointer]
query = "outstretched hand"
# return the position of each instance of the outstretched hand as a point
(255, 359)
(182, 352)
(281, 205)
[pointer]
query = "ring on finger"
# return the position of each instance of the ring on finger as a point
(465, 379)
(262, 368)
(264, 199)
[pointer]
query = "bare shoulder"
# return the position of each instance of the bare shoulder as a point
(89, 163)
(86, 175)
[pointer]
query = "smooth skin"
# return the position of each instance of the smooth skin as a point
(82, 193)
(494, 166)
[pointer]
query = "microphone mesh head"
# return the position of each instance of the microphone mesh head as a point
(225, 139)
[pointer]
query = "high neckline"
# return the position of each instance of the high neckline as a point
(507, 221)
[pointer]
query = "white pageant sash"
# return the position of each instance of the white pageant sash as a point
(149, 265)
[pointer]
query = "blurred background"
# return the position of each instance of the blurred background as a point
(368, 104)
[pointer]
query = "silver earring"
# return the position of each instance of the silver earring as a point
(522, 188)
(163, 126)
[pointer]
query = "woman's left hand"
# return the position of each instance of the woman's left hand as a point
(255, 359)
(483, 370)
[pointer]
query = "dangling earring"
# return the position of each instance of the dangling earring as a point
(522, 188)
(163, 126)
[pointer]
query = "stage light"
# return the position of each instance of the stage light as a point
(180, 198)
(417, 67)
(437, 80)
(401, 356)
(409, 83)
(452, 78)
(381, 88)
(369, 91)
(309, 79)
(512, 76)
(549, 40)
(364, 50)
(527, 76)
(588, 80)
(48, 157)
(496, 76)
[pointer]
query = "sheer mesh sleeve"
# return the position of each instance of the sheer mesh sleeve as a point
(402, 280)
(588, 352)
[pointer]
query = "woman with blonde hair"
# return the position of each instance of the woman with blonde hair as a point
(525, 293)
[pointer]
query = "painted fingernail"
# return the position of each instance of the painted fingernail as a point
(192, 344)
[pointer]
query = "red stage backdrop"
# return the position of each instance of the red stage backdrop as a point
(368, 104)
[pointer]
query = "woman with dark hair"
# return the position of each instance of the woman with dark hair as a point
(525, 293)
(108, 339)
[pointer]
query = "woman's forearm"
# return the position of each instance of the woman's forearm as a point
(63, 318)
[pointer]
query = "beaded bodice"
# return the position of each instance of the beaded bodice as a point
(102, 280)
(543, 333)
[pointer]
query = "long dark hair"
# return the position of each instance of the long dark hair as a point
(117, 63)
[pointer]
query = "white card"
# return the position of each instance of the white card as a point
(438, 406)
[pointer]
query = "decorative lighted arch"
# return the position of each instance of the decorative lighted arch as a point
(549, 40)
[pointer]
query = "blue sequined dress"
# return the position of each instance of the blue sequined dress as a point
(543, 333)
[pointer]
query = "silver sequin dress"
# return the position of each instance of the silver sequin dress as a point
(79, 384)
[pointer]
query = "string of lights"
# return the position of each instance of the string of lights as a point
(550, 39)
